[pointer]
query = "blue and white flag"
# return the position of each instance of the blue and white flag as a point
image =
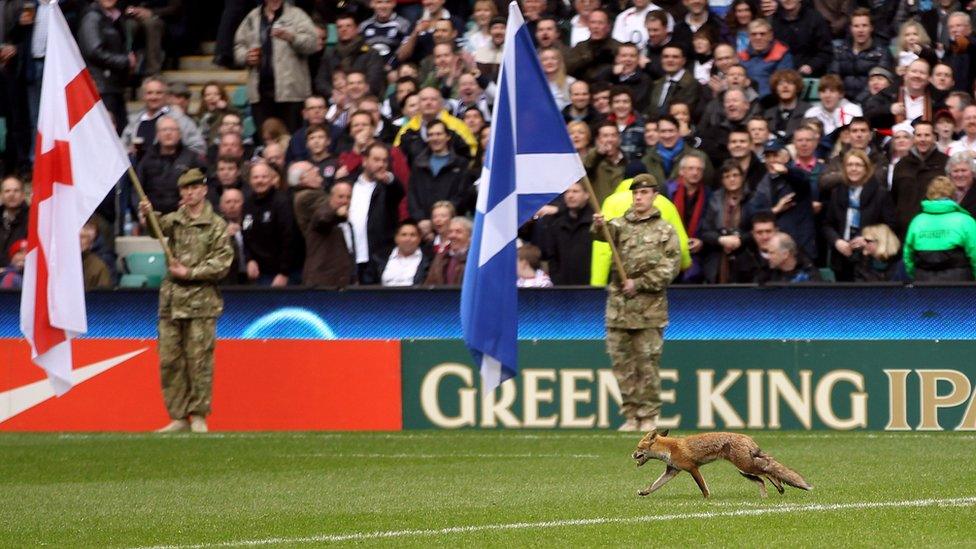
(530, 161)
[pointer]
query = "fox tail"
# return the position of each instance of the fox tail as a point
(781, 472)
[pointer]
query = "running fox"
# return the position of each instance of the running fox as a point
(689, 453)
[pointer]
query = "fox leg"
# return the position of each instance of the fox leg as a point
(776, 483)
(758, 480)
(667, 475)
(699, 480)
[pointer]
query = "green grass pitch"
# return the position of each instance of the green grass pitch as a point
(473, 489)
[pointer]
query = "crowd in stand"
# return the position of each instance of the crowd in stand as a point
(791, 140)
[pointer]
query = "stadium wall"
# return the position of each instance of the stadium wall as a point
(830, 357)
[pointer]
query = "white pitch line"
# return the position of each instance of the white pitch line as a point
(432, 532)
(442, 456)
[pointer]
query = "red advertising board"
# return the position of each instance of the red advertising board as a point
(259, 385)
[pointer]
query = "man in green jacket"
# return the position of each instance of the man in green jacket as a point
(940, 244)
(189, 303)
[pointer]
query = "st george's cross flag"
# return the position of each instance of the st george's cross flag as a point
(78, 159)
(530, 161)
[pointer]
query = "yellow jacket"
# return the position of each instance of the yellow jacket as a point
(453, 123)
(615, 206)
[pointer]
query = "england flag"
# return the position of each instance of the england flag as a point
(530, 161)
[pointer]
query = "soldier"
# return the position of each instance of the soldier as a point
(189, 303)
(637, 307)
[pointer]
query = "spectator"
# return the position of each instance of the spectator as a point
(232, 210)
(956, 102)
(363, 135)
(489, 56)
(600, 97)
(917, 98)
(967, 142)
(140, 132)
(555, 70)
(12, 275)
(698, 17)
(102, 41)
(267, 227)
(804, 31)
(411, 138)
(477, 36)
(759, 134)
(629, 24)
(741, 151)
(407, 264)
(785, 190)
(725, 228)
(942, 78)
(961, 170)
(661, 34)
(878, 260)
(606, 162)
(548, 35)
(434, 231)
(626, 72)
(859, 54)
(736, 110)
(579, 25)
(860, 138)
(913, 43)
(228, 175)
(913, 174)
(834, 111)
(447, 268)
(580, 109)
(94, 271)
(765, 55)
(686, 125)
(595, 55)
(353, 92)
(313, 113)
(663, 160)
(438, 174)
(805, 159)
(879, 79)
(902, 140)
(566, 242)
(579, 134)
(322, 219)
(701, 57)
(676, 83)
(274, 155)
(529, 268)
(152, 20)
(475, 120)
(690, 197)
(214, 104)
(274, 131)
(940, 244)
(230, 144)
(629, 123)
(786, 264)
(470, 97)
(14, 215)
(427, 33)
(786, 116)
(164, 163)
(960, 54)
(447, 68)
(384, 30)
(274, 41)
(373, 208)
(392, 107)
(317, 142)
(860, 202)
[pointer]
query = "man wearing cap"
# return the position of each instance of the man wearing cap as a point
(786, 191)
(190, 303)
(12, 276)
(637, 307)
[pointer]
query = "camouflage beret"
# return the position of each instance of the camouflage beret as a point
(191, 177)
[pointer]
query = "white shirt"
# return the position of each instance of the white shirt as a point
(839, 117)
(914, 108)
(964, 144)
(629, 25)
(400, 270)
(362, 195)
(667, 85)
(577, 33)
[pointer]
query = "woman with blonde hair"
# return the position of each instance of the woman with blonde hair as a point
(580, 135)
(273, 130)
(554, 68)
(860, 202)
(879, 260)
(477, 36)
(940, 244)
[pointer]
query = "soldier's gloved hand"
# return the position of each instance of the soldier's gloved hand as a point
(629, 288)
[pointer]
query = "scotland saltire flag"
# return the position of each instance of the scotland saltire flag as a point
(530, 161)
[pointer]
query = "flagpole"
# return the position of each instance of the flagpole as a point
(617, 262)
(153, 221)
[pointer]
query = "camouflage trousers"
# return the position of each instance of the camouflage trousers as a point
(186, 359)
(636, 358)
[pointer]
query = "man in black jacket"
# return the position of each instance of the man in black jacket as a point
(13, 217)
(438, 174)
(351, 53)
(164, 163)
(859, 54)
(268, 229)
(373, 208)
(102, 41)
(804, 30)
(566, 241)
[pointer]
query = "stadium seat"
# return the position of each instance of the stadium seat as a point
(811, 89)
(331, 37)
(249, 128)
(3, 135)
(238, 99)
(827, 274)
(150, 265)
(133, 281)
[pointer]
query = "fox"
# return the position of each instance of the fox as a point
(690, 453)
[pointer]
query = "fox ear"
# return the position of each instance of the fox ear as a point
(664, 433)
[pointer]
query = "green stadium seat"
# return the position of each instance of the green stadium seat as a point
(827, 274)
(238, 99)
(133, 281)
(331, 37)
(150, 265)
(3, 135)
(249, 128)
(811, 89)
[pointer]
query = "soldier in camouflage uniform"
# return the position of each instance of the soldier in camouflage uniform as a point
(637, 308)
(189, 303)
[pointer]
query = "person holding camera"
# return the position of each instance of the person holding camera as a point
(725, 227)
